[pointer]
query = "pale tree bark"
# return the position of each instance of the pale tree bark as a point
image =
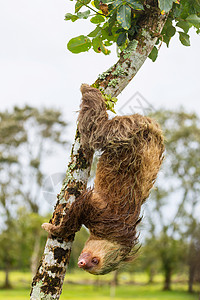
(48, 281)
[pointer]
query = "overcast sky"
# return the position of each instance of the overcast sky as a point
(36, 68)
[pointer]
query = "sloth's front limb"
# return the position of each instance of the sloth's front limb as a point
(72, 221)
(53, 229)
(70, 224)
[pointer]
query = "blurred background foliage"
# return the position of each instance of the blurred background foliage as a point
(170, 230)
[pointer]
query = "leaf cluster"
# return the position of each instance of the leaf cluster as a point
(116, 22)
(182, 17)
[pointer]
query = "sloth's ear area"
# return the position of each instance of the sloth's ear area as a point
(132, 255)
(129, 258)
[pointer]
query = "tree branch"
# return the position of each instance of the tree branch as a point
(48, 281)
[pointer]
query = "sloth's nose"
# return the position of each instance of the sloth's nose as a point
(81, 263)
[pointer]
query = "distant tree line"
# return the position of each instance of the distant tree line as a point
(28, 137)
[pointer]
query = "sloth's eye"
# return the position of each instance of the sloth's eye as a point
(95, 260)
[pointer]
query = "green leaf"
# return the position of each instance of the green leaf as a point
(135, 4)
(98, 46)
(120, 30)
(112, 19)
(184, 38)
(197, 4)
(116, 3)
(166, 40)
(106, 1)
(94, 32)
(154, 54)
(79, 44)
(165, 5)
(193, 19)
(109, 34)
(104, 49)
(110, 105)
(183, 25)
(80, 4)
(121, 38)
(106, 34)
(124, 16)
(97, 19)
(83, 15)
(71, 17)
(80, 15)
(108, 43)
(96, 3)
(170, 31)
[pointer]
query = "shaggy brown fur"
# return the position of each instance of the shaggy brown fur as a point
(132, 152)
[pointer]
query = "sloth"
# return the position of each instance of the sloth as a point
(131, 155)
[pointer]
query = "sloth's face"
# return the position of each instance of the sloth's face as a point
(89, 262)
(100, 257)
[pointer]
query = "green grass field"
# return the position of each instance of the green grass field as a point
(84, 286)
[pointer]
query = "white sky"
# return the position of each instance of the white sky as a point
(36, 68)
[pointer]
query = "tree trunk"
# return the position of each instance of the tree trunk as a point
(113, 284)
(192, 270)
(167, 284)
(115, 278)
(151, 275)
(7, 284)
(48, 281)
